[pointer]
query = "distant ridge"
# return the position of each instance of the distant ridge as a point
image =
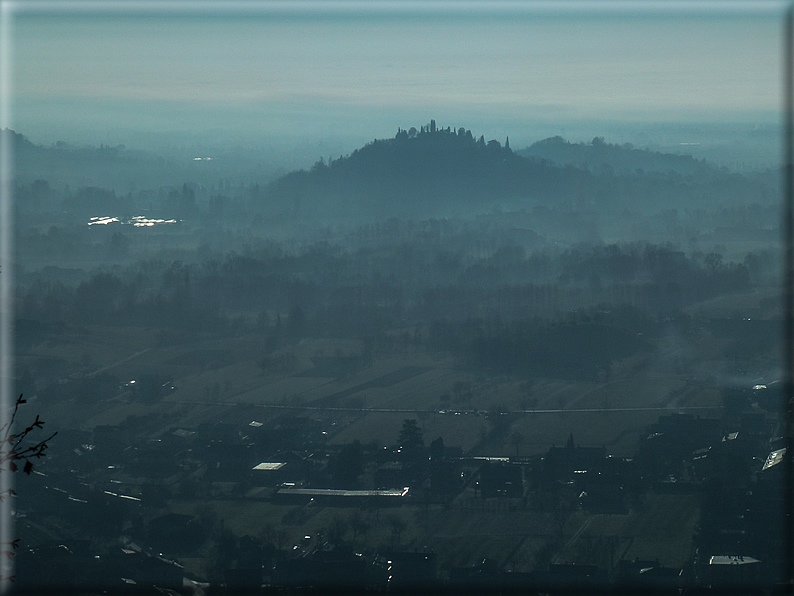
(113, 167)
(430, 170)
(597, 155)
(440, 172)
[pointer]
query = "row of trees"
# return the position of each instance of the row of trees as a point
(324, 290)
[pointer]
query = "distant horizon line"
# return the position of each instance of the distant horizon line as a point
(690, 127)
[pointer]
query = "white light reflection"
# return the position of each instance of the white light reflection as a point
(138, 221)
(102, 220)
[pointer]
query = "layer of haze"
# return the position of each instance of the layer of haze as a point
(348, 75)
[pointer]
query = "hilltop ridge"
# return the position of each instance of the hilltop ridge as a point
(447, 167)
(434, 172)
(599, 156)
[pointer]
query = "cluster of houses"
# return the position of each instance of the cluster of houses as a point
(114, 484)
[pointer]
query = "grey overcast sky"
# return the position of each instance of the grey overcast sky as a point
(97, 71)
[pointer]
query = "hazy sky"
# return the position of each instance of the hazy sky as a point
(358, 70)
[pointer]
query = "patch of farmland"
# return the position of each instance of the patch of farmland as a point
(419, 392)
(293, 390)
(633, 392)
(188, 416)
(202, 358)
(387, 380)
(224, 384)
(92, 349)
(233, 380)
(43, 367)
(557, 394)
(115, 412)
(331, 367)
(310, 389)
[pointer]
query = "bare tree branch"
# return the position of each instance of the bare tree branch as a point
(12, 449)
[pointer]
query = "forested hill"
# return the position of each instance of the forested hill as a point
(124, 169)
(63, 164)
(429, 172)
(437, 172)
(601, 157)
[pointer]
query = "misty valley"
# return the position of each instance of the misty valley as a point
(437, 363)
